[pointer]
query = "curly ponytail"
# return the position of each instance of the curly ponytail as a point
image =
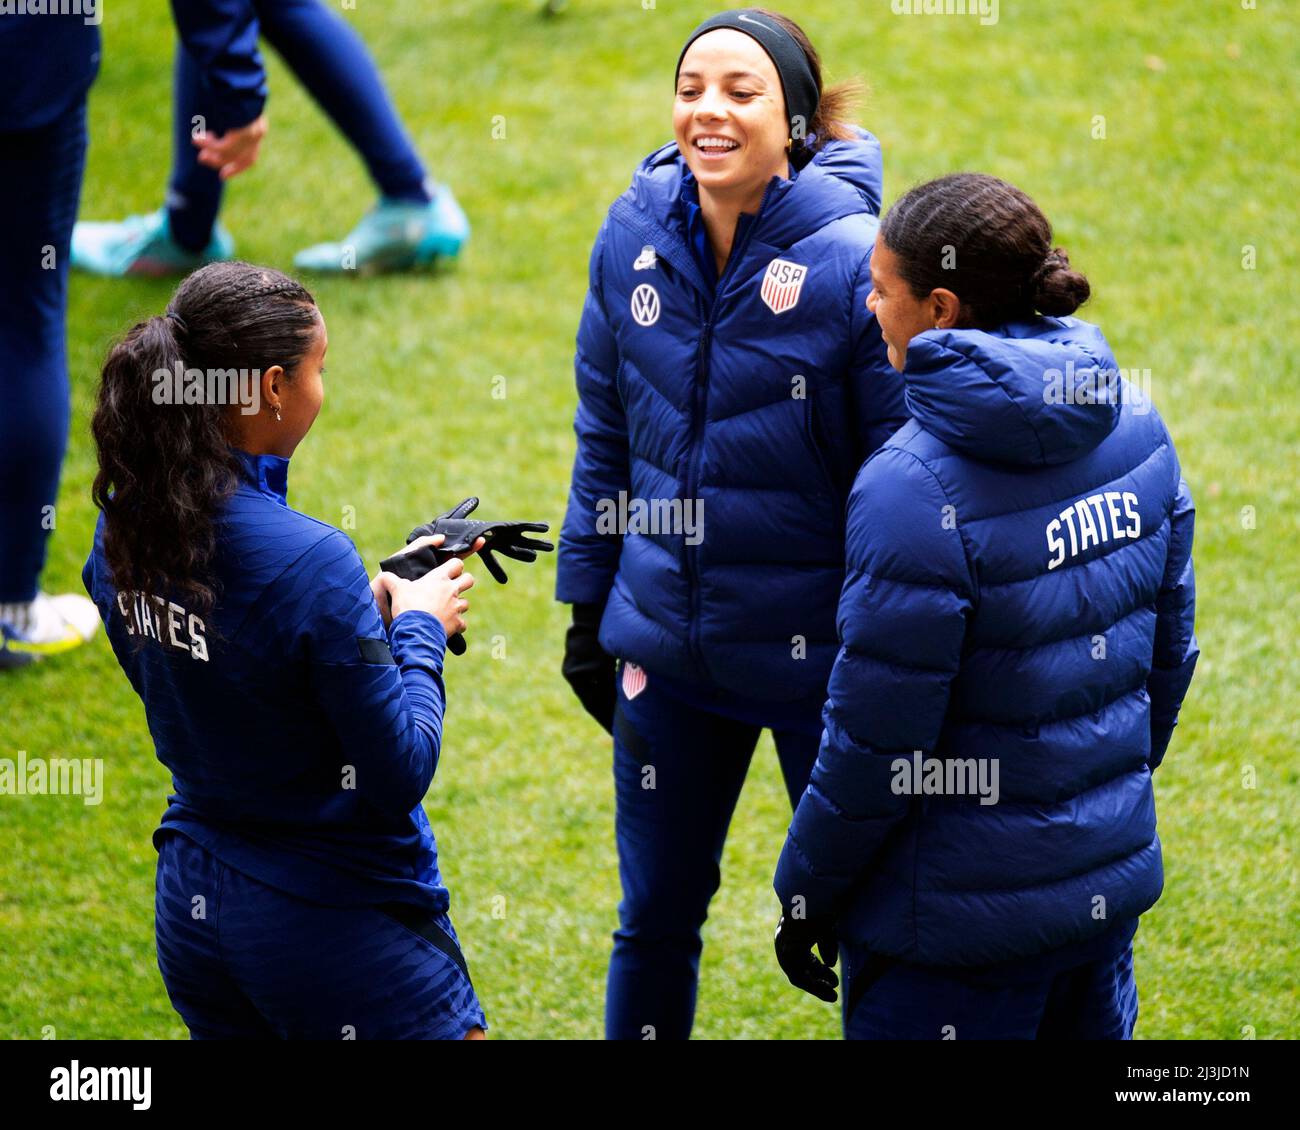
(164, 468)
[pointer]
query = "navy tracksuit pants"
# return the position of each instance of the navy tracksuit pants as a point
(1089, 997)
(40, 183)
(678, 771)
(332, 62)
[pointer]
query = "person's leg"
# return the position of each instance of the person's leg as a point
(184, 234)
(797, 753)
(1096, 1001)
(194, 190)
(677, 773)
(187, 921)
(332, 62)
(40, 182)
(416, 223)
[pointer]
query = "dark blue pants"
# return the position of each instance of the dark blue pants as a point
(1095, 999)
(40, 182)
(331, 61)
(670, 839)
(243, 961)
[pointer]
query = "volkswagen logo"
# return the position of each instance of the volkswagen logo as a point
(645, 305)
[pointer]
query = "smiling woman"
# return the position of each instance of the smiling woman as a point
(726, 356)
(750, 104)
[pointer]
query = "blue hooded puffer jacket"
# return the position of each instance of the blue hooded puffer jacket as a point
(1019, 589)
(761, 416)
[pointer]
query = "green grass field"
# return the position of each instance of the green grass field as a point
(1198, 100)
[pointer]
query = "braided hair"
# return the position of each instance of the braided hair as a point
(988, 243)
(164, 468)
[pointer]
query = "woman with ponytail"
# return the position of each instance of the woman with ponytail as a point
(297, 704)
(1016, 641)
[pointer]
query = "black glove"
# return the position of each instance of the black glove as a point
(460, 534)
(795, 938)
(588, 667)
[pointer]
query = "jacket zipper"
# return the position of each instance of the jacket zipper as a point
(697, 429)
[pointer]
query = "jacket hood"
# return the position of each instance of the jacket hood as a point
(1033, 393)
(843, 178)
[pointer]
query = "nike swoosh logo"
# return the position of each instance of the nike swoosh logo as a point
(750, 20)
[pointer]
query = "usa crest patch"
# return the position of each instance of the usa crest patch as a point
(634, 680)
(782, 284)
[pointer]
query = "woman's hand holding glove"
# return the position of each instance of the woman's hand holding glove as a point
(438, 591)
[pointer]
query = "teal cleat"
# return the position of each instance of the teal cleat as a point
(395, 235)
(142, 245)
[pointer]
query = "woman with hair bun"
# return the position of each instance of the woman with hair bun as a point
(1016, 641)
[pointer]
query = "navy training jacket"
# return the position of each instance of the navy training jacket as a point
(300, 734)
(1019, 591)
(759, 400)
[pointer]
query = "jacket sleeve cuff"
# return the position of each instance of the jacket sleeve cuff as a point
(242, 110)
(795, 880)
(417, 638)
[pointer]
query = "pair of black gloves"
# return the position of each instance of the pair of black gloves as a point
(589, 670)
(460, 533)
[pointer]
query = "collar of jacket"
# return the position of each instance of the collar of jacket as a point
(697, 239)
(842, 179)
(1031, 393)
(268, 474)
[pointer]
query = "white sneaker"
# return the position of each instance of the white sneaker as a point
(49, 625)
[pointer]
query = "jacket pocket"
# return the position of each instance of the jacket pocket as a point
(817, 445)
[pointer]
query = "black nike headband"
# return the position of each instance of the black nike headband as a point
(792, 67)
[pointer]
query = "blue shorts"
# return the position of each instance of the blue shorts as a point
(242, 960)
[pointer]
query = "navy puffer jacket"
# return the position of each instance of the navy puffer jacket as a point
(760, 402)
(1019, 594)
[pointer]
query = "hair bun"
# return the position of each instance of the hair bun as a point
(1057, 290)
